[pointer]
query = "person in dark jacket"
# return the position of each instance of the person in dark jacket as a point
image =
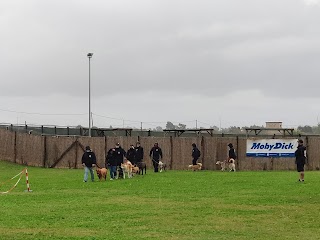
(131, 154)
(88, 162)
(111, 163)
(114, 159)
(120, 154)
(300, 159)
(195, 154)
(232, 153)
(139, 153)
(156, 155)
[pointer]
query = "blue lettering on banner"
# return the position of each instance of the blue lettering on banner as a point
(270, 147)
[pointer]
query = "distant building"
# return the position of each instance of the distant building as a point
(275, 125)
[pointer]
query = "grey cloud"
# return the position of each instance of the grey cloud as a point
(207, 47)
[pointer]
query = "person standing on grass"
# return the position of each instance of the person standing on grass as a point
(138, 157)
(88, 162)
(300, 159)
(111, 163)
(232, 152)
(195, 154)
(131, 154)
(156, 156)
(120, 154)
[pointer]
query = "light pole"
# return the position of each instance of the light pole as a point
(89, 55)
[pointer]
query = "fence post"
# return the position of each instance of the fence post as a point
(202, 150)
(105, 150)
(15, 148)
(171, 152)
(76, 148)
(45, 151)
(307, 145)
(238, 162)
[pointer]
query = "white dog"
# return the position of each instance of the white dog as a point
(127, 169)
(162, 166)
(232, 165)
(223, 165)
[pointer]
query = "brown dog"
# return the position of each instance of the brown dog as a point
(195, 167)
(135, 170)
(102, 173)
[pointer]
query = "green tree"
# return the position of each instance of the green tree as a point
(170, 126)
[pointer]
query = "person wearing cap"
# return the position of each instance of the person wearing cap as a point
(155, 155)
(111, 163)
(138, 157)
(88, 162)
(114, 159)
(195, 154)
(232, 154)
(131, 154)
(300, 159)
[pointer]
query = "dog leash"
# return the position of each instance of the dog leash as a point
(154, 161)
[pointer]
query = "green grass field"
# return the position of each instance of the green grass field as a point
(170, 205)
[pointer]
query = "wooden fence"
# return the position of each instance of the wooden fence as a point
(66, 152)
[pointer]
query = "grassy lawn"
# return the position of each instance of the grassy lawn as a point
(170, 205)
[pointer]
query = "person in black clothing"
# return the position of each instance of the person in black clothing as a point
(88, 162)
(195, 154)
(120, 154)
(232, 153)
(139, 153)
(155, 155)
(300, 159)
(131, 154)
(111, 163)
(114, 159)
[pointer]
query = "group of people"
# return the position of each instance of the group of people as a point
(196, 153)
(117, 155)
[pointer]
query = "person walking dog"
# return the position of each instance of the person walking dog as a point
(138, 157)
(232, 153)
(155, 155)
(195, 154)
(88, 162)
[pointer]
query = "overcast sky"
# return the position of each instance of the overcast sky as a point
(221, 62)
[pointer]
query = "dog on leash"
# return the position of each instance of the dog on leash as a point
(102, 173)
(195, 167)
(127, 169)
(231, 164)
(135, 169)
(162, 166)
(222, 164)
(142, 166)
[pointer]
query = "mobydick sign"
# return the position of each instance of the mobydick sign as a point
(271, 147)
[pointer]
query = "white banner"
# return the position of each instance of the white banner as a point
(271, 147)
